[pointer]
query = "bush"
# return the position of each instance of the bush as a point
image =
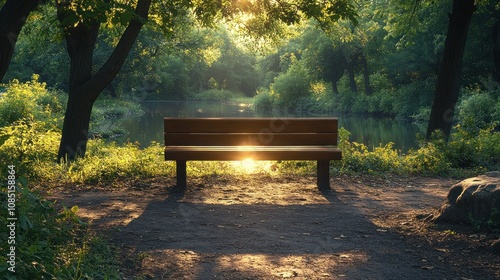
(481, 151)
(479, 111)
(291, 86)
(29, 100)
(26, 143)
(411, 98)
(430, 158)
(357, 157)
(263, 101)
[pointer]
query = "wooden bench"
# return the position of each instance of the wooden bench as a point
(227, 139)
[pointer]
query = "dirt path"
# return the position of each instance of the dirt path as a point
(262, 227)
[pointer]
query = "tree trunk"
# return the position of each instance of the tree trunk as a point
(352, 80)
(366, 74)
(80, 41)
(448, 83)
(496, 51)
(12, 19)
(75, 128)
(350, 63)
(335, 88)
(84, 88)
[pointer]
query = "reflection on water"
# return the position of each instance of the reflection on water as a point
(370, 131)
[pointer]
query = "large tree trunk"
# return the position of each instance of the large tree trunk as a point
(12, 19)
(84, 88)
(80, 41)
(75, 128)
(448, 83)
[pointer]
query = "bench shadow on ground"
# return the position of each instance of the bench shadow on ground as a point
(328, 238)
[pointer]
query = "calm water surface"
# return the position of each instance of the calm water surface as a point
(370, 131)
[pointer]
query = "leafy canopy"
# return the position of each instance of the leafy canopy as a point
(258, 16)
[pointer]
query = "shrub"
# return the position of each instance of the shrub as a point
(411, 98)
(479, 111)
(358, 157)
(26, 143)
(263, 101)
(291, 86)
(481, 151)
(429, 159)
(29, 100)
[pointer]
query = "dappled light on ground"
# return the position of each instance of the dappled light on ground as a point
(263, 226)
(130, 212)
(224, 190)
(188, 264)
(249, 166)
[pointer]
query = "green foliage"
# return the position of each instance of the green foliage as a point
(358, 157)
(108, 161)
(291, 86)
(474, 151)
(411, 98)
(479, 110)
(216, 95)
(50, 243)
(29, 100)
(430, 158)
(26, 143)
(263, 101)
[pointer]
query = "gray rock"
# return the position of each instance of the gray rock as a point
(495, 247)
(473, 200)
(495, 174)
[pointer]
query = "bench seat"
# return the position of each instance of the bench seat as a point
(216, 153)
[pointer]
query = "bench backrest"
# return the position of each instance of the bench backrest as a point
(250, 131)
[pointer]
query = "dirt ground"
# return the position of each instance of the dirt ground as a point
(273, 227)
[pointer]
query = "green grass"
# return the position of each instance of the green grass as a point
(50, 243)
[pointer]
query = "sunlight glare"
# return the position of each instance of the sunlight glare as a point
(248, 165)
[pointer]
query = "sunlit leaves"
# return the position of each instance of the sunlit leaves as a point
(112, 13)
(257, 17)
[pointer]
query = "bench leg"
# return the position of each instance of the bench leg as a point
(181, 173)
(323, 174)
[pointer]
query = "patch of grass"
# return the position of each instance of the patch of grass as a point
(50, 243)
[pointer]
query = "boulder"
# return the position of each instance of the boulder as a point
(495, 247)
(473, 201)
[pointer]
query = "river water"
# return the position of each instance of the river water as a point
(370, 131)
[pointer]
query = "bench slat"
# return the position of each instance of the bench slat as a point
(250, 139)
(255, 152)
(250, 125)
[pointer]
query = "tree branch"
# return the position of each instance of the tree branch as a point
(13, 16)
(112, 66)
